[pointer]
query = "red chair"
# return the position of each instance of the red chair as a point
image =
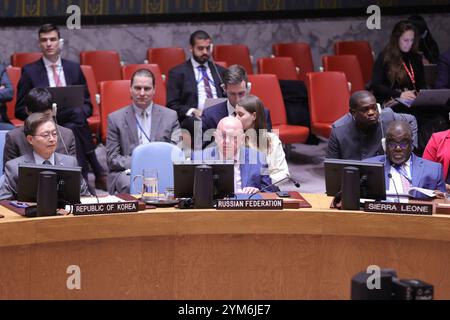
(166, 58)
(14, 76)
(222, 64)
(347, 64)
(234, 54)
(328, 98)
(300, 52)
(19, 59)
(160, 93)
(267, 88)
(362, 50)
(114, 95)
(106, 64)
(94, 120)
(283, 68)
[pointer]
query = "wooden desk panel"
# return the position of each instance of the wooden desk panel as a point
(206, 254)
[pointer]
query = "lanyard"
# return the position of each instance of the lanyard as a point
(140, 128)
(401, 171)
(410, 73)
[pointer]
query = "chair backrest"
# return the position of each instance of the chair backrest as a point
(143, 157)
(166, 58)
(113, 96)
(106, 64)
(92, 87)
(2, 146)
(14, 74)
(362, 50)
(233, 54)
(222, 64)
(347, 64)
(267, 88)
(19, 59)
(328, 96)
(160, 94)
(300, 52)
(282, 67)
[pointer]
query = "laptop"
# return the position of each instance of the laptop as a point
(209, 102)
(68, 96)
(427, 98)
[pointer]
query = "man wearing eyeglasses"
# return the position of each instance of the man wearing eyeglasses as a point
(358, 134)
(403, 169)
(41, 134)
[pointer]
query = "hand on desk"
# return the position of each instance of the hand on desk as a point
(250, 190)
(408, 95)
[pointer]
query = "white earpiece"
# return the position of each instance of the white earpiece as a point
(61, 44)
(383, 144)
(54, 108)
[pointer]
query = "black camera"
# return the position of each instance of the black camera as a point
(387, 286)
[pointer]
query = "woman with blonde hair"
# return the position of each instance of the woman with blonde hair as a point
(250, 111)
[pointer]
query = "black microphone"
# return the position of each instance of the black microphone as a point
(274, 184)
(395, 187)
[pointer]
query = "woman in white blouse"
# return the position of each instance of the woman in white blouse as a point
(250, 111)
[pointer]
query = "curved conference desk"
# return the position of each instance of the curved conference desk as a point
(208, 254)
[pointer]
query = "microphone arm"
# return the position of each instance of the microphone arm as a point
(274, 184)
(395, 187)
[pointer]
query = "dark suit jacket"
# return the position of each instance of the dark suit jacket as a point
(253, 167)
(16, 144)
(182, 93)
(6, 94)
(34, 75)
(212, 115)
(425, 174)
(9, 190)
(443, 71)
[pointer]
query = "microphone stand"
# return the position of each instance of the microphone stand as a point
(274, 184)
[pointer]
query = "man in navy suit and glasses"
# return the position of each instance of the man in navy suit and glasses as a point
(52, 71)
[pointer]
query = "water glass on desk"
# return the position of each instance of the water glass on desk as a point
(148, 184)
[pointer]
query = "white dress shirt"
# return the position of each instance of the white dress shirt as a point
(141, 126)
(39, 160)
(396, 178)
(59, 70)
(201, 85)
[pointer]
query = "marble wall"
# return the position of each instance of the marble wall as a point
(132, 40)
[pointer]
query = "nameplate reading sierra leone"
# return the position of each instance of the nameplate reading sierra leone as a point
(112, 207)
(252, 204)
(395, 207)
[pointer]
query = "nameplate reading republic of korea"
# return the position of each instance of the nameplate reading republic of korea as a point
(250, 204)
(395, 207)
(112, 207)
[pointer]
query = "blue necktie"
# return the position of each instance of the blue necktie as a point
(208, 90)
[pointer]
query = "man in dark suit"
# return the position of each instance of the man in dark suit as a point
(250, 170)
(443, 71)
(6, 94)
(141, 122)
(52, 71)
(190, 83)
(236, 87)
(16, 144)
(403, 169)
(41, 134)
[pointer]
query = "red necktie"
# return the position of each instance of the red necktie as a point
(56, 76)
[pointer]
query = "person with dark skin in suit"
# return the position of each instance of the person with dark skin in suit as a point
(53, 71)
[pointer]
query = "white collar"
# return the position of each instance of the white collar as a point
(195, 64)
(230, 108)
(39, 160)
(48, 63)
(148, 110)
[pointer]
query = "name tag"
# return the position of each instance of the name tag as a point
(99, 208)
(394, 207)
(252, 204)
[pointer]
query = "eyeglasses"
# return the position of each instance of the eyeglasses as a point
(402, 144)
(47, 134)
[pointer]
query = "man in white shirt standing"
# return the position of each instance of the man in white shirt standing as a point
(192, 82)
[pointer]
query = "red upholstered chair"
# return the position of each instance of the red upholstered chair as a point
(114, 95)
(94, 120)
(106, 64)
(233, 54)
(300, 52)
(14, 76)
(166, 58)
(19, 59)
(282, 67)
(328, 97)
(222, 64)
(267, 88)
(347, 64)
(362, 50)
(160, 94)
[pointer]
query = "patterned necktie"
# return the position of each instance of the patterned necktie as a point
(208, 90)
(47, 162)
(56, 76)
(405, 182)
(144, 122)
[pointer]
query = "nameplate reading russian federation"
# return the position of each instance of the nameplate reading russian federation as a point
(112, 207)
(394, 207)
(256, 204)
